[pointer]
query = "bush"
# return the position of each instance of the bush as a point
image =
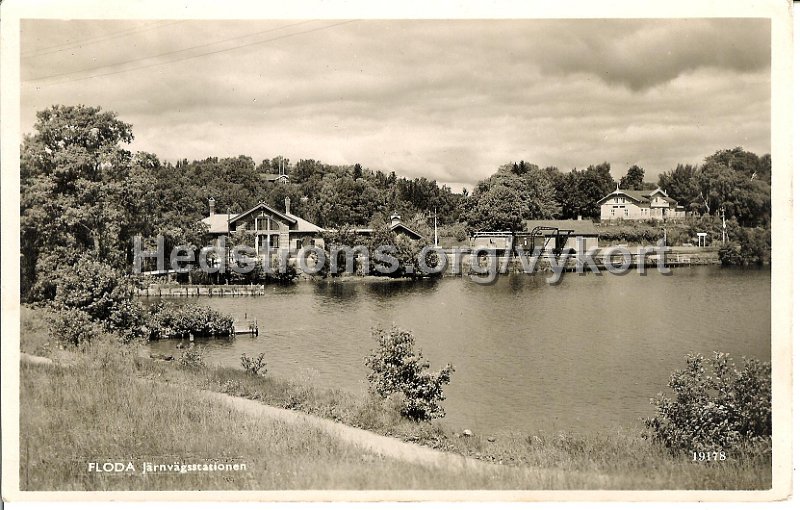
(74, 327)
(180, 321)
(459, 232)
(281, 275)
(636, 233)
(396, 368)
(748, 246)
(103, 293)
(726, 408)
(254, 366)
(192, 358)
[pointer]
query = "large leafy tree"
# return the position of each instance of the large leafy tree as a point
(681, 185)
(731, 179)
(78, 185)
(498, 203)
(579, 191)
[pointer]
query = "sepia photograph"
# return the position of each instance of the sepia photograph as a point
(334, 253)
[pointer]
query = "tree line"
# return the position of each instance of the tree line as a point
(83, 192)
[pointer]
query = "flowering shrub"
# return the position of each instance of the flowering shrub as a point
(396, 368)
(714, 407)
(178, 321)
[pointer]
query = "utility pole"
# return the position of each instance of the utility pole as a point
(435, 229)
(228, 248)
(724, 228)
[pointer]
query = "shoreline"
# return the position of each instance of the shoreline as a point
(175, 289)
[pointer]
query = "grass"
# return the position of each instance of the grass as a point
(70, 420)
(110, 403)
(634, 462)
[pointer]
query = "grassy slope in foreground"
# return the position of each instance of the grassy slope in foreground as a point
(107, 406)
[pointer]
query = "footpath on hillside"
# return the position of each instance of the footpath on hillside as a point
(366, 440)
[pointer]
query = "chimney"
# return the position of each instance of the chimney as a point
(211, 206)
(288, 202)
(395, 219)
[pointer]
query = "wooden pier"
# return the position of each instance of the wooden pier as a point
(177, 291)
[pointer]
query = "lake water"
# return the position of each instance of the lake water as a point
(583, 356)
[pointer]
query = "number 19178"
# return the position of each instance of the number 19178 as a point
(708, 456)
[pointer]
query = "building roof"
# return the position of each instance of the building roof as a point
(303, 225)
(408, 231)
(635, 195)
(641, 196)
(274, 177)
(217, 223)
(290, 219)
(579, 227)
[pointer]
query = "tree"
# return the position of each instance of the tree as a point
(75, 181)
(681, 185)
(542, 203)
(343, 201)
(100, 291)
(728, 180)
(579, 191)
(634, 179)
(498, 203)
(395, 367)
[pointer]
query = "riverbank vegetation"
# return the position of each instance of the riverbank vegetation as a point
(716, 407)
(150, 405)
(94, 299)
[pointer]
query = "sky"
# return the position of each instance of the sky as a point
(450, 100)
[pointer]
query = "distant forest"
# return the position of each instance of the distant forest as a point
(339, 195)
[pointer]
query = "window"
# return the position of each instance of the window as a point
(298, 244)
(613, 212)
(626, 211)
(262, 223)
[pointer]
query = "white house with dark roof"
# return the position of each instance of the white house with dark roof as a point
(283, 229)
(626, 204)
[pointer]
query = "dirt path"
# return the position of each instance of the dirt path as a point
(375, 443)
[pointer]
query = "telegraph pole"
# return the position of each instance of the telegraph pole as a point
(435, 229)
(724, 228)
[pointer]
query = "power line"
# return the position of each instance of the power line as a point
(188, 57)
(172, 52)
(57, 48)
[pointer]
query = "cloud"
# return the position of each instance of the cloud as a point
(450, 100)
(640, 55)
